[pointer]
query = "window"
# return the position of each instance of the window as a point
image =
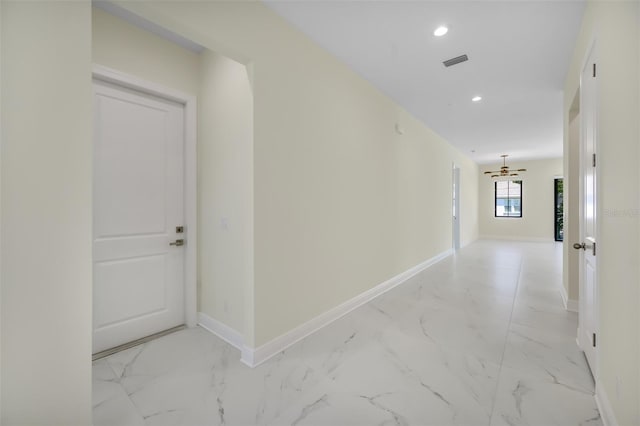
(508, 198)
(558, 191)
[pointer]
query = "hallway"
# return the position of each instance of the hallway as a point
(479, 338)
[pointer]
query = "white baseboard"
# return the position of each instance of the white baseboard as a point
(569, 304)
(254, 357)
(604, 406)
(223, 331)
(463, 244)
(516, 238)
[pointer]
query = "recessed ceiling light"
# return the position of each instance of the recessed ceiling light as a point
(440, 31)
(476, 98)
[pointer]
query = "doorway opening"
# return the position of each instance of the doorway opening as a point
(455, 207)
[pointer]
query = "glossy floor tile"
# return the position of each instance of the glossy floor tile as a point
(480, 338)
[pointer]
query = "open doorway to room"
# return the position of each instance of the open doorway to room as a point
(571, 209)
(456, 207)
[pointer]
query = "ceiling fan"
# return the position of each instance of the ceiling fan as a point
(504, 169)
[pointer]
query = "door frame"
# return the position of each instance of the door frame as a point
(456, 200)
(596, 314)
(109, 75)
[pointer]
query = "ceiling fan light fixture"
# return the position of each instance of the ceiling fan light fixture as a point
(504, 171)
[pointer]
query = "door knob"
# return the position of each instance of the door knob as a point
(178, 243)
(579, 246)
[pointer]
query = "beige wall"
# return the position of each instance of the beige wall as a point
(341, 201)
(537, 202)
(46, 213)
(1, 145)
(614, 26)
(225, 194)
(119, 45)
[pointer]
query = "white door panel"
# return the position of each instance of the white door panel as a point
(138, 202)
(588, 319)
(136, 276)
(130, 173)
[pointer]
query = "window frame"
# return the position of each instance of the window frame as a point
(495, 199)
(558, 209)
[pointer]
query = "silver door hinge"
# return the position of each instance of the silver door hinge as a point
(594, 248)
(593, 160)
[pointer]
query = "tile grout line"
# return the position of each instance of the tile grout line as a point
(506, 338)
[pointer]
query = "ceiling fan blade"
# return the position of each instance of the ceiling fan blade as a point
(521, 170)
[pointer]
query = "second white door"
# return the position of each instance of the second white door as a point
(138, 269)
(588, 319)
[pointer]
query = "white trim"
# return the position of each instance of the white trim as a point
(191, 211)
(223, 331)
(145, 24)
(565, 296)
(254, 357)
(569, 304)
(604, 406)
(517, 238)
(463, 244)
(190, 202)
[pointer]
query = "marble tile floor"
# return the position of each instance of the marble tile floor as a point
(481, 338)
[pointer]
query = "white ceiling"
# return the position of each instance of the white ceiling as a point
(518, 52)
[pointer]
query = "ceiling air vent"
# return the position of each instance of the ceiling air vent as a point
(456, 60)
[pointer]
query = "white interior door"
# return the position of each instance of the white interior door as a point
(456, 207)
(588, 322)
(138, 277)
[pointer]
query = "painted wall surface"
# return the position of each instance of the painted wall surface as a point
(119, 45)
(46, 213)
(536, 222)
(1, 144)
(225, 194)
(341, 201)
(614, 26)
